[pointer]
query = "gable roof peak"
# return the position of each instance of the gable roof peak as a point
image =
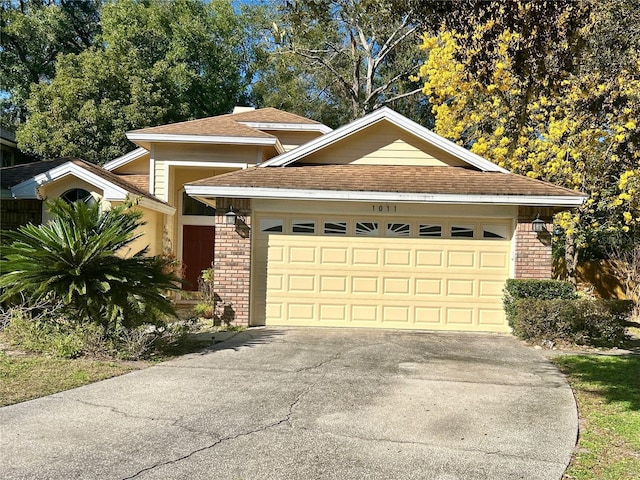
(402, 122)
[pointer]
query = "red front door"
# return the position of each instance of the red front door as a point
(197, 252)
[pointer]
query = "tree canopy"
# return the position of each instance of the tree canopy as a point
(34, 33)
(573, 123)
(335, 60)
(548, 89)
(154, 62)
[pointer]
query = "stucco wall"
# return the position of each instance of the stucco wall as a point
(151, 233)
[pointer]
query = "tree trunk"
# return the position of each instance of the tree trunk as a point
(571, 258)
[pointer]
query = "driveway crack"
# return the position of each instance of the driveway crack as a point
(281, 421)
(319, 364)
(116, 410)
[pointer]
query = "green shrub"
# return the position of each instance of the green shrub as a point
(72, 261)
(582, 322)
(542, 289)
(518, 289)
(46, 330)
(59, 338)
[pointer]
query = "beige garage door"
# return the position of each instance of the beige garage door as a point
(414, 283)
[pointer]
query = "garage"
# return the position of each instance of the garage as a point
(386, 273)
(378, 224)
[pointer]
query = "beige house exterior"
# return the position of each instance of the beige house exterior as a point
(378, 224)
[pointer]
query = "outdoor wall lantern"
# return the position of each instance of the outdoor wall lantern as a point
(230, 217)
(538, 225)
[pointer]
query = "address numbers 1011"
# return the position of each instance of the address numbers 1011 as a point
(384, 208)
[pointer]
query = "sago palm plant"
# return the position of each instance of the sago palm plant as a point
(74, 260)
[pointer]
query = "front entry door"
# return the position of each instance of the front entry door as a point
(197, 252)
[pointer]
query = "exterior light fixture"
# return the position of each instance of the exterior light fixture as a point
(538, 225)
(230, 217)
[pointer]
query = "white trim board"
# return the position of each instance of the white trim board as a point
(157, 206)
(204, 139)
(358, 196)
(195, 163)
(297, 127)
(126, 158)
(395, 118)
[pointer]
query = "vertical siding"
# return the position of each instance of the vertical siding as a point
(159, 187)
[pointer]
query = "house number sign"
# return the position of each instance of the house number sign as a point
(384, 208)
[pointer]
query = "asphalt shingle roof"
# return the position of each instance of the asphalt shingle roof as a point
(386, 178)
(10, 176)
(228, 125)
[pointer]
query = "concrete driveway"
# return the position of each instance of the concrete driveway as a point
(308, 404)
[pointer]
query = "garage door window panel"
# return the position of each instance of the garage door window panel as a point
(335, 228)
(272, 225)
(462, 231)
(494, 232)
(430, 230)
(307, 227)
(398, 230)
(367, 229)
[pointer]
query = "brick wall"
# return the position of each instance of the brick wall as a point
(232, 260)
(533, 257)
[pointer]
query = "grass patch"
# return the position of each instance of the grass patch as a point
(27, 377)
(607, 390)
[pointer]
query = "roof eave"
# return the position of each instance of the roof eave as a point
(146, 139)
(207, 191)
(28, 189)
(157, 206)
(125, 159)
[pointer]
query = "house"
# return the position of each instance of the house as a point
(154, 174)
(380, 223)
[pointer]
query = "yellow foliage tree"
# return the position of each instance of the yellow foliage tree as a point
(582, 134)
